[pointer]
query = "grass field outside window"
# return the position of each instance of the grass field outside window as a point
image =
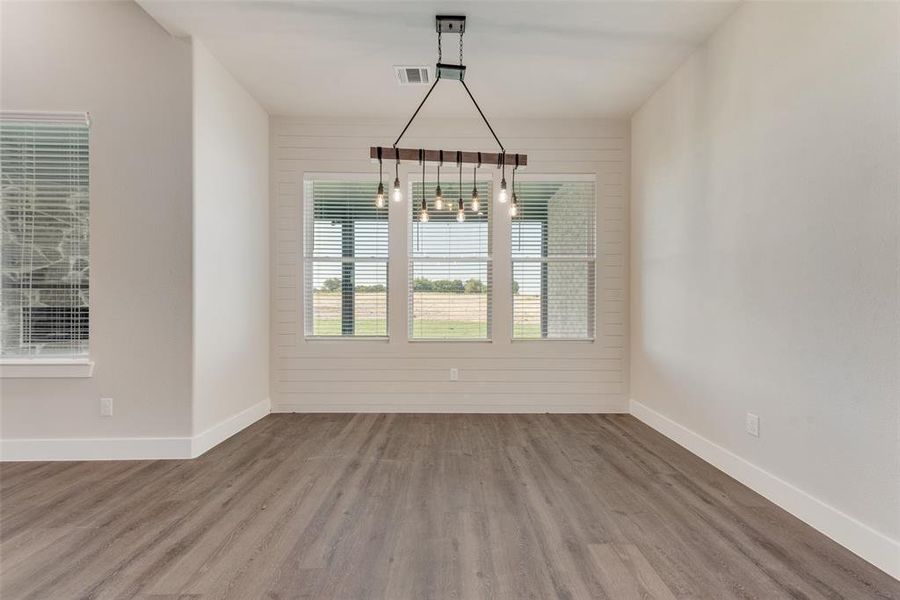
(428, 307)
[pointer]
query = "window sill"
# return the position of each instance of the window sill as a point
(450, 340)
(49, 368)
(553, 339)
(346, 338)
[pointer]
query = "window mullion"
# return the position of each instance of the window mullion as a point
(348, 269)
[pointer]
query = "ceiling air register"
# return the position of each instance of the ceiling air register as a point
(457, 25)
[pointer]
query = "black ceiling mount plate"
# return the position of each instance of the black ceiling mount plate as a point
(450, 24)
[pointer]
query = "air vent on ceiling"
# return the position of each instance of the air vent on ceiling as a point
(412, 75)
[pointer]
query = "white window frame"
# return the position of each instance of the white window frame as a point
(564, 177)
(485, 174)
(353, 177)
(50, 367)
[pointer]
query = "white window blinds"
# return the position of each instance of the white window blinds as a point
(450, 265)
(553, 260)
(44, 206)
(345, 260)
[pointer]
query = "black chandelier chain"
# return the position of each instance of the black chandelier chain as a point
(455, 72)
(440, 49)
(461, 80)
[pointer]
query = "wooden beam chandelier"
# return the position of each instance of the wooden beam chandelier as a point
(448, 24)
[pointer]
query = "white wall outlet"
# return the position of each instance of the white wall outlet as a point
(454, 374)
(752, 424)
(106, 407)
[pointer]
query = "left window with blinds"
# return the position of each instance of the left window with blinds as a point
(345, 260)
(44, 236)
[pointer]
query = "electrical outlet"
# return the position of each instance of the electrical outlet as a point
(454, 374)
(106, 407)
(752, 424)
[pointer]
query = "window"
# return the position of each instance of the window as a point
(450, 265)
(553, 258)
(44, 201)
(345, 259)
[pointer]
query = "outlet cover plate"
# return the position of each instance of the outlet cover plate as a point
(106, 407)
(752, 424)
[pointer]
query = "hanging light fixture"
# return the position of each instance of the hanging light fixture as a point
(503, 196)
(476, 205)
(379, 195)
(438, 196)
(453, 25)
(514, 207)
(460, 209)
(423, 212)
(396, 194)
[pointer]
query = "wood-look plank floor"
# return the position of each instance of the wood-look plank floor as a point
(414, 506)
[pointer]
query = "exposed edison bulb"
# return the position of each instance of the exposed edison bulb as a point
(423, 215)
(379, 197)
(514, 207)
(396, 194)
(476, 204)
(460, 216)
(503, 196)
(438, 199)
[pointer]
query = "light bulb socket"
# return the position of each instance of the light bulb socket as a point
(381, 189)
(396, 183)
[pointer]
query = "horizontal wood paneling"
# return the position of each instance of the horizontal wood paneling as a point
(518, 376)
(395, 374)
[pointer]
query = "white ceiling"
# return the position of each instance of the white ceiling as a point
(524, 59)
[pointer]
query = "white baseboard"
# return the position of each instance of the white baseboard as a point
(859, 538)
(137, 448)
(223, 430)
(349, 406)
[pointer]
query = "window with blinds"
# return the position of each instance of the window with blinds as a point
(345, 260)
(45, 265)
(553, 260)
(450, 265)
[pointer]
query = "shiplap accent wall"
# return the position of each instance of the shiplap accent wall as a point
(403, 376)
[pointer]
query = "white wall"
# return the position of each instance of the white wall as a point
(112, 60)
(399, 375)
(231, 245)
(765, 251)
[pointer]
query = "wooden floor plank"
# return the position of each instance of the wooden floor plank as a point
(410, 507)
(625, 573)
